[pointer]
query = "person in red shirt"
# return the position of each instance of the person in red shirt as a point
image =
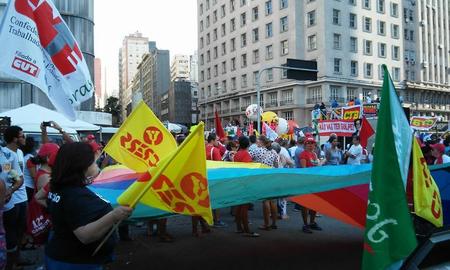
(213, 153)
(212, 148)
(241, 217)
(308, 158)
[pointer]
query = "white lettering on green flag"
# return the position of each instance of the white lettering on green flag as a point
(389, 235)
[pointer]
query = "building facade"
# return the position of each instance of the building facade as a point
(193, 67)
(79, 16)
(152, 79)
(180, 68)
(350, 40)
(99, 93)
(134, 46)
(180, 102)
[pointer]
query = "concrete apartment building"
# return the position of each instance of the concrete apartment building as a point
(349, 39)
(180, 68)
(134, 46)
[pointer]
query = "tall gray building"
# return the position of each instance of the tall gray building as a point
(180, 102)
(79, 16)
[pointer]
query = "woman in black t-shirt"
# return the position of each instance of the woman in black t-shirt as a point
(80, 218)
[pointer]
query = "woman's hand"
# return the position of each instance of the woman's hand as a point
(121, 213)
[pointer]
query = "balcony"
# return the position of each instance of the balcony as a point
(314, 100)
(271, 104)
(234, 110)
(339, 100)
(286, 102)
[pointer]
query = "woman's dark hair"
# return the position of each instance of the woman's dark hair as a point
(252, 138)
(265, 141)
(29, 146)
(230, 145)
(244, 142)
(211, 137)
(38, 160)
(71, 163)
(11, 133)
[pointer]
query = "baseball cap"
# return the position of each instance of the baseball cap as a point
(438, 147)
(49, 150)
(310, 140)
(95, 146)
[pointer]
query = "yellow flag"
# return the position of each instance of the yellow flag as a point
(142, 141)
(178, 184)
(427, 199)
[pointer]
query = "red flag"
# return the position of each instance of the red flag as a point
(239, 132)
(250, 129)
(219, 129)
(366, 132)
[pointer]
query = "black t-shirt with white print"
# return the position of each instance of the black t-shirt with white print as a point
(71, 208)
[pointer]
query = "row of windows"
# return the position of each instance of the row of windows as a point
(367, 46)
(284, 50)
(271, 98)
(255, 33)
(232, 7)
(381, 6)
(223, 87)
(368, 69)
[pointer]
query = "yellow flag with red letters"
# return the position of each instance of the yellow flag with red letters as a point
(178, 184)
(142, 140)
(427, 199)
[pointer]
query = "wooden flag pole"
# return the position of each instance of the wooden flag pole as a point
(149, 184)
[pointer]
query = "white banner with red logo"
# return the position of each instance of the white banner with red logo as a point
(340, 127)
(423, 122)
(36, 46)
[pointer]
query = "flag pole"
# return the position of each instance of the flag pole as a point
(147, 187)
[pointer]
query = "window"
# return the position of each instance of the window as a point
(207, 4)
(312, 42)
(283, 24)
(255, 35)
(353, 44)
(244, 81)
(380, 6)
(286, 96)
(208, 39)
(222, 11)
(268, 7)
(215, 16)
(368, 70)
(224, 67)
(269, 30)
(207, 21)
(269, 52)
(224, 48)
(223, 30)
(351, 93)
(354, 68)
(201, 26)
(254, 13)
(352, 2)
(395, 31)
(283, 73)
(244, 60)
(283, 4)
(394, 9)
(202, 59)
(255, 77)
(243, 40)
(382, 50)
(201, 43)
(224, 90)
(366, 4)
(353, 21)
(396, 74)
(232, 44)
(367, 24)
(232, 25)
(233, 83)
(215, 52)
(337, 65)
(201, 9)
(284, 47)
(336, 15)
(335, 92)
(232, 5)
(381, 28)
(380, 72)
(315, 94)
(336, 41)
(311, 18)
(215, 34)
(367, 47)
(233, 63)
(243, 3)
(395, 53)
(208, 56)
(273, 99)
(202, 76)
(255, 56)
(269, 74)
(208, 73)
(243, 19)
(216, 70)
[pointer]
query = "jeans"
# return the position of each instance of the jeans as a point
(51, 264)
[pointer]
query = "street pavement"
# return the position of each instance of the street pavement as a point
(338, 246)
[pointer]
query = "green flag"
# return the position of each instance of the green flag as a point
(389, 235)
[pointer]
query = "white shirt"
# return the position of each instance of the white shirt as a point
(292, 150)
(8, 162)
(28, 180)
(357, 152)
(20, 195)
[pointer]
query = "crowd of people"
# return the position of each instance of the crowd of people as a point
(51, 184)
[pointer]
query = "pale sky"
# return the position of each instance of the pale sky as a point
(171, 23)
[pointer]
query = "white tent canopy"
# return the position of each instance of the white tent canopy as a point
(33, 115)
